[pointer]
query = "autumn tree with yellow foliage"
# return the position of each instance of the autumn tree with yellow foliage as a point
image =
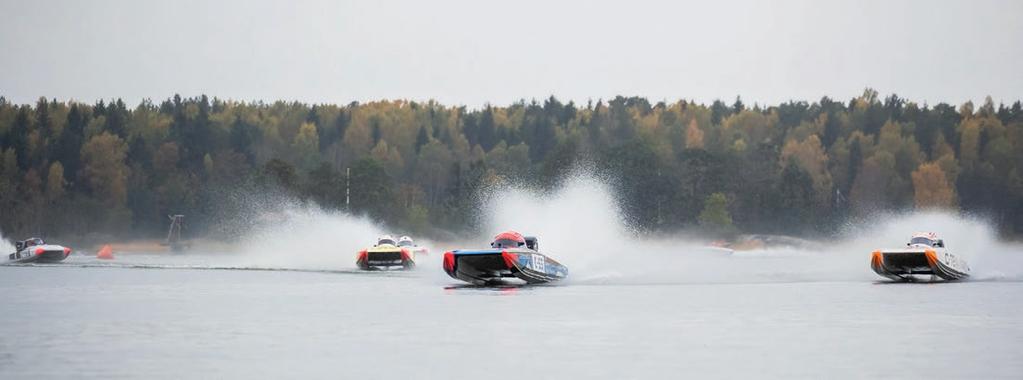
(931, 188)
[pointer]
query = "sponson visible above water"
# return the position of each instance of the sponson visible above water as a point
(36, 250)
(386, 254)
(511, 256)
(925, 258)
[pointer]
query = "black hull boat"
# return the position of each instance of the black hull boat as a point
(514, 257)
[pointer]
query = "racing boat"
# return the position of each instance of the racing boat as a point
(386, 254)
(36, 250)
(925, 257)
(407, 243)
(511, 256)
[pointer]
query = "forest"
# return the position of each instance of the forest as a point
(77, 170)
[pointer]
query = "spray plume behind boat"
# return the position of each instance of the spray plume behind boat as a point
(582, 225)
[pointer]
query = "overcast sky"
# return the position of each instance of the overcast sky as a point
(474, 52)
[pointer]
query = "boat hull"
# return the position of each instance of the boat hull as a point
(919, 264)
(385, 258)
(39, 254)
(492, 266)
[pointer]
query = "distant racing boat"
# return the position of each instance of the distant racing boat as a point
(407, 243)
(36, 250)
(386, 254)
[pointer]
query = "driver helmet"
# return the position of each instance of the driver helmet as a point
(405, 241)
(510, 239)
(385, 239)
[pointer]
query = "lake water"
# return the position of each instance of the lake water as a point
(183, 317)
(284, 300)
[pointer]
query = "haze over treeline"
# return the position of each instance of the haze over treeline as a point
(72, 169)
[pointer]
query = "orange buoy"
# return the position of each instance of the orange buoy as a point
(105, 253)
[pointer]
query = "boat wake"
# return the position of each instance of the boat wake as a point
(5, 246)
(581, 225)
(304, 236)
(129, 265)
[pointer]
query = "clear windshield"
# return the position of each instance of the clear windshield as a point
(405, 243)
(385, 241)
(921, 240)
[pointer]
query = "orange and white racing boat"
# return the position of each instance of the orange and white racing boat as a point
(924, 258)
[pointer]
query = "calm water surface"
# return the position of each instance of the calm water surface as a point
(70, 321)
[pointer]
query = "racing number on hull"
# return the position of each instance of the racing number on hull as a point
(953, 261)
(538, 263)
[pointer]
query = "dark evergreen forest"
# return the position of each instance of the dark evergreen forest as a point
(72, 169)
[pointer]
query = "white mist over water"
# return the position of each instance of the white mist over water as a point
(581, 226)
(5, 246)
(307, 237)
(972, 239)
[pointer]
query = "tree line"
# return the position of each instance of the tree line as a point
(73, 169)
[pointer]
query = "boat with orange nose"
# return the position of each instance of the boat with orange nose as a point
(925, 258)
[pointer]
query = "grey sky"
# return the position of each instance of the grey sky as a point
(473, 52)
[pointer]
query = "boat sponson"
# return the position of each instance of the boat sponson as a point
(40, 254)
(485, 266)
(902, 263)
